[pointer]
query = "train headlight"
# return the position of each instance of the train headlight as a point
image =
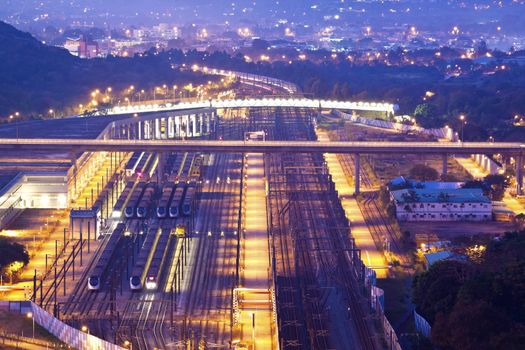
(151, 283)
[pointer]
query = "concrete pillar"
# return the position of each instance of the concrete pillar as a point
(157, 129)
(163, 135)
(186, 125)
(201, 123)
(357, 173)
(139, 133)
(151, 129)
(187, 122)
(519, 175)
(147, 130)
(160, 165)
(208, 123)
(170, 127)
(444, 165)
(177, 126)
(194, 125)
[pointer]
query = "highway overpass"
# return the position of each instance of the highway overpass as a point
(516, 150)
(214, 146)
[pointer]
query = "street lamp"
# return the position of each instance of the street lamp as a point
(128, 344)
(52, 112)
(30, 315)
(463, 120)
(85, 329)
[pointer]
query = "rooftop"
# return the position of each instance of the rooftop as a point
(434, 257)
(423, 195)
(71, 128)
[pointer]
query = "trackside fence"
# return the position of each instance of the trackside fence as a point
(377, 302)
(67, 334)
(422, 325)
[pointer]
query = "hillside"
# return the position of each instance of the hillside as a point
(36, 77)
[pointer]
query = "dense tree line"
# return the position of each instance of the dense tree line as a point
(489, 102)
(477, 305)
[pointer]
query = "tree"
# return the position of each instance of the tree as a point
(427, 116)
(12, 252)
(423, 172)
(435, 290)
(470, 326)
(497, 184)
(477, 305)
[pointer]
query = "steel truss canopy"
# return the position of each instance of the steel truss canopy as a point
(263, 146)
(255, 103)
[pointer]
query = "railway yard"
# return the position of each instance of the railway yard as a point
(168, 265)
(226, 250)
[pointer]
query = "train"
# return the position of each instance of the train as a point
(142, 167)
(157, 261)
(135, 281)
(145, 200)
(167, 194)
(122, 200)
(98, 275)
(187, 204)
(134, 199)
(133, 162)
(177, 199)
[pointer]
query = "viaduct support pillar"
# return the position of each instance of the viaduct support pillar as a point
(157, 130)
(357, 173)
(444, 165)
(519, 175)
(194, 125)
(177, 127)
(208, 122)
(160, 166)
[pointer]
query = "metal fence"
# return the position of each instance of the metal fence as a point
(442, 133)
(67, 334)
(422, 325)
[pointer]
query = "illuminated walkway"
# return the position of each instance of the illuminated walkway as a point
(254, 297)
(371, 256)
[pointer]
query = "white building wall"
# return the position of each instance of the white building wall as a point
(444, 211)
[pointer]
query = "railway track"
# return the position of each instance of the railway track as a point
(205, 313)
(382, 231)
(316, 288)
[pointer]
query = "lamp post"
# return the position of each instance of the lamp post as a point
(128, 344)
(252, 314)
(85, 329)
(463, 120)
(30, 315)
